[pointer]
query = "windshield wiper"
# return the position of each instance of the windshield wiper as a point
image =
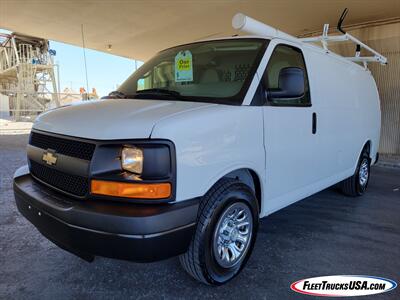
(146, 94)
(116, 95)
(159, 91)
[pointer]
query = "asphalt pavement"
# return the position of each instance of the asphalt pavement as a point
(325, 234)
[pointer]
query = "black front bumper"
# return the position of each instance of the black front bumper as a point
(88, 228)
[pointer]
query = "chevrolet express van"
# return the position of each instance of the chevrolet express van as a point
(195, 147)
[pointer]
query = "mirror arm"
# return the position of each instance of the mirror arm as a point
(276, 95)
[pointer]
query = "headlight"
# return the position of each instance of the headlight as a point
(132, 159)
(143, 170)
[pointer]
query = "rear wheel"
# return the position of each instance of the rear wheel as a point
(226, 231)
(357, 184)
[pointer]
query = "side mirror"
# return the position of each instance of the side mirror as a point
(291, 84)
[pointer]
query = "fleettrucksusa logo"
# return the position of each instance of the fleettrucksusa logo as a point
(343, 286)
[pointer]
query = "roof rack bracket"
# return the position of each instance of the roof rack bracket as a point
(252, 26)
(326, 39)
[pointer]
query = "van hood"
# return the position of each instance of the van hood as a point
(112, 119)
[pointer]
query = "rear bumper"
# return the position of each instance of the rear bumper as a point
(137, 232)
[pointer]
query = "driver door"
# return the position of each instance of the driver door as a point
(290, 136)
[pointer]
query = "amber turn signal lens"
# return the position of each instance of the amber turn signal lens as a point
(131, 190)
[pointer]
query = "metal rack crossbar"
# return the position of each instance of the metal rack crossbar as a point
(252, 26)
(325, 39)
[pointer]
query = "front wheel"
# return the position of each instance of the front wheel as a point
(226, 231)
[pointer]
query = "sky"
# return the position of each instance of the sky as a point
(105, 71)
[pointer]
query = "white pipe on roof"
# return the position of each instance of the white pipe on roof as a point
(254, 27)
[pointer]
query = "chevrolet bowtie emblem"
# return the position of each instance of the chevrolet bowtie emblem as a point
(50, 158)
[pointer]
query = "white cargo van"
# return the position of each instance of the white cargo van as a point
(197, 145)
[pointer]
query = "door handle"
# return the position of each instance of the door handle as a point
(314, 123)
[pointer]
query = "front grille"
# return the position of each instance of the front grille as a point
(72, 184)
(68, 147)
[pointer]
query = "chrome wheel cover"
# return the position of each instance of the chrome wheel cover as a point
(232, 235)
(363, 173)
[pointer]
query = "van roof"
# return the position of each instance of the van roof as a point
(308, 46)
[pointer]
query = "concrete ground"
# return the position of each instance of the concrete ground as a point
(326, 234)
(8, 127)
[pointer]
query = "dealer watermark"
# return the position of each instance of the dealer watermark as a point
(343, 286)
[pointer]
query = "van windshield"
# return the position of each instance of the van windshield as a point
(212, 71)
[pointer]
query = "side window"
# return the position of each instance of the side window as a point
(281, 90)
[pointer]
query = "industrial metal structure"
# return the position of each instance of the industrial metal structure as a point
(27, 76)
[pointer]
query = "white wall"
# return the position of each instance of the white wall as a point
(4, 107)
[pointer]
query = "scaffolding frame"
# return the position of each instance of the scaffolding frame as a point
(27, 75)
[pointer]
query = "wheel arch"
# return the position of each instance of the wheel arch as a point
(249, 177)
(367, 145)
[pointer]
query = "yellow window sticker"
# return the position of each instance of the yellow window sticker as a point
(183, 66)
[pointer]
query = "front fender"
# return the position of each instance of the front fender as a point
(212, 142)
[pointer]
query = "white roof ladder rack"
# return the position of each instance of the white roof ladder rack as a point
(252, 26)
(325, 39)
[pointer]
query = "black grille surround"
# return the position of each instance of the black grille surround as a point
(70, 147)
(104, 164)
(72, 184)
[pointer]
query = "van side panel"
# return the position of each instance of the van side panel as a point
(347, 105)
(368, 97)
(346, 101)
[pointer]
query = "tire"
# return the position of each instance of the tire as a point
(357, 184)
(217, 220)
